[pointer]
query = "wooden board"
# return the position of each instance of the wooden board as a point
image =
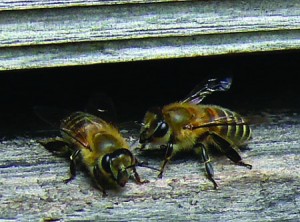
(39, 4)
(111, 31)
(32, 188)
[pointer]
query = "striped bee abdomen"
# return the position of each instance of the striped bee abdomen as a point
(228, 124)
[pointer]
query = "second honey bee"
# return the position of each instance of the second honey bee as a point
(101, 148)
(188, 125)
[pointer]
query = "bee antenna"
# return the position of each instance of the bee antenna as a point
(145, 164)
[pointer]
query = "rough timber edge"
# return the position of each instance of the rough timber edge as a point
(44, 4)
(55, 55)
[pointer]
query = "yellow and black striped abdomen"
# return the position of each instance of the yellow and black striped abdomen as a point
(227, 124)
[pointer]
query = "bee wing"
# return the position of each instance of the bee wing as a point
(230, 120)
(79, 138)
(77, 122)
(89, 118)
(80, 119)
(50, 115)
(101, 105)
(206, 88)
(224, 120)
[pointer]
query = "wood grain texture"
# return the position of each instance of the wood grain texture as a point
(145, 49)
(129, 32)
(36, 27)
(39, 4)
(32, 188)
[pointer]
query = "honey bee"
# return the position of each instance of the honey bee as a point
(101, 148)
(189, 125)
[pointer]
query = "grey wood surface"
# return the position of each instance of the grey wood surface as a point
(60, 35)
(38, 4)
(32, 188)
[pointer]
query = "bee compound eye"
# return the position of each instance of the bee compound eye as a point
(106, 160)
(161, 130)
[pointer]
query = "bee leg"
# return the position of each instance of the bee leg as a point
(208, 166)
(167, 158)
(72, 166)
(229, 151)
(98, 177)
(138, 178)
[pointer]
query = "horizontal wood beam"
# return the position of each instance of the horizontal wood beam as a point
(134, 50)
(39, 4)
(132, 32)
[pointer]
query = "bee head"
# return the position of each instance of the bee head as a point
(117, 165)
(154, 129)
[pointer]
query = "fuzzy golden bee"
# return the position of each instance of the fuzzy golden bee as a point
(101, 148)
(189, 125)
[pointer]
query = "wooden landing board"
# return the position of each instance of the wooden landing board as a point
(32, 188)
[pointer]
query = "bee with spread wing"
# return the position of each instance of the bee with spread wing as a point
(190, 125)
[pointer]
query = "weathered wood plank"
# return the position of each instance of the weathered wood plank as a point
(32, 188)
(152, 21)
(38, 4)
(121, 51)
(130, 32)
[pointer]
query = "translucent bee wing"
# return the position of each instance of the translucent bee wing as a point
(224, 120)
(208, 87)
(234, 120)
(81, 119)
(50, 115)
(74, 126)
(101, 105)
(89, 118)
(79, 138)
